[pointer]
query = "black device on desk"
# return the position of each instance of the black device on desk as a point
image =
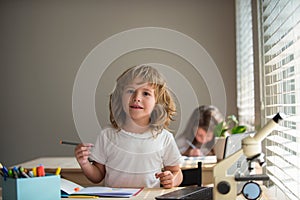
(190, 192)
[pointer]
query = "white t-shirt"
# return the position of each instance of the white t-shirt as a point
(132, 159)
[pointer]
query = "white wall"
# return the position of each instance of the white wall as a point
(43, 44)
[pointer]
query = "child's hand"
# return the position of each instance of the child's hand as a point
(166, 179)
(195, 152)
(82, 153)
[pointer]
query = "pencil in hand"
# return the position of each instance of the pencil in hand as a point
(75, 143)
(191, 144)
(69, 143)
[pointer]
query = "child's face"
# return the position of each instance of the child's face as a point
(203, 136)
(138, 102)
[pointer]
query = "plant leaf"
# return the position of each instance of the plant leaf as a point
(218, 129)
(238, 129)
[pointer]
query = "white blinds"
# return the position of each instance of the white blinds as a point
(244, 55)
(280, 23)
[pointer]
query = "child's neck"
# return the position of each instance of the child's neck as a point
(134, 128)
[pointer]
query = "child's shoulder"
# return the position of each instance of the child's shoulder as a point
(166, 133)
(108, 130)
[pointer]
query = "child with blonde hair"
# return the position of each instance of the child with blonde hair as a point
(137, 150)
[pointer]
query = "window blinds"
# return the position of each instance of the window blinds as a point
(280, 31)
(245, 66)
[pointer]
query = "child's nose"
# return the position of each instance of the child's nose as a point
(136, 97)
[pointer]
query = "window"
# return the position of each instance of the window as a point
(278, 25)
(280, 37)
(245, 68)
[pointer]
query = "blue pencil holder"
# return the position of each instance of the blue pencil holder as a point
(36, 188)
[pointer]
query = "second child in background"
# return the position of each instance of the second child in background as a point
(198, 137)
(137, 150)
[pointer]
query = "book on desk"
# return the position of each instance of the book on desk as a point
(71, 189)
(192, 162)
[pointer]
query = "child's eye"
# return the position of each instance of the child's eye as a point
(146, 94)
(130, 91)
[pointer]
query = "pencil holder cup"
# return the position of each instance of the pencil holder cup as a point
(36, 188)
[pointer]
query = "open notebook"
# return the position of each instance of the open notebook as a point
(192, 162)
(71, 189)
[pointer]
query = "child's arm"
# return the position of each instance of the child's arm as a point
(170, 177)
(95, 172)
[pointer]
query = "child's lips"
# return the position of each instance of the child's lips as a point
(136, 107)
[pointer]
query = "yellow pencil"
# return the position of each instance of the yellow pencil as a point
(58, 171)
(34, 172)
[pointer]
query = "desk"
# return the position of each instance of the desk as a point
(71, 170)
(146, 193)
(151, 193)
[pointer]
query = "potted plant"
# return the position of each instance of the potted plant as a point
(227, 127)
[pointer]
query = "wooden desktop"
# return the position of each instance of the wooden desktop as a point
(151, 193)
(71, 170)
